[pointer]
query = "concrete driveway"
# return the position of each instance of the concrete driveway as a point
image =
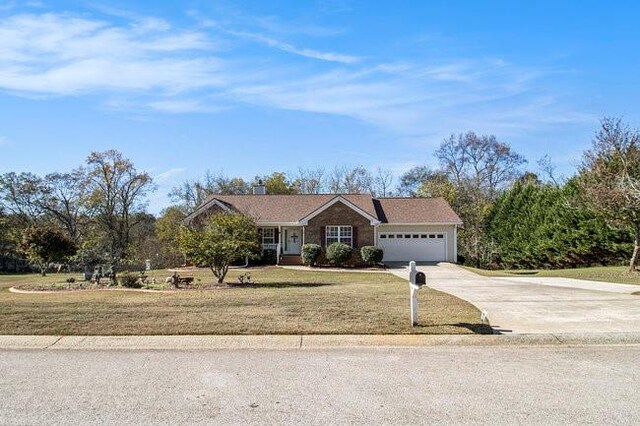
(540, 305)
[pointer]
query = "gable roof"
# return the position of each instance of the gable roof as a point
(295, 208)
(340, 199)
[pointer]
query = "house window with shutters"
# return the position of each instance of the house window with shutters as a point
(339, 234)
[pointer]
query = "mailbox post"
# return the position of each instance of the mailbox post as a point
(416, 281)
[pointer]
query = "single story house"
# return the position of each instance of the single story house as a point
(420, 229)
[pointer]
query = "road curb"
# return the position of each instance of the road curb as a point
(302, 342)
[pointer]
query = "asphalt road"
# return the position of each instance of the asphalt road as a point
(444, 385)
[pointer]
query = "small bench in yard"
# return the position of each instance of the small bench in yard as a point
(185, 280)
(177, 279)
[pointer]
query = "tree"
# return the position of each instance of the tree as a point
(381, 182)
(277, 183)
(117, 190)
(191, 193)
(610, 176)
(65, 199)
(45, 244)
(310, 181)
(225, 239)
(437, 184)
(478, 168)
(413, 179)
(344, 180)
(20, 195)
(168, 231)
(537, 225)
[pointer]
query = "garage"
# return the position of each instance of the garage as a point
(418, 246)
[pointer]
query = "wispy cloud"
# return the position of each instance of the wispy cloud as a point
(4, 141)
(286, 47)
(169, 176)
(142, 63)
(60, 54)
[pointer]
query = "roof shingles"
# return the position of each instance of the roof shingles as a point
(292, 208)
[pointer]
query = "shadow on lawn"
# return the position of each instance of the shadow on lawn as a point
(282, 285)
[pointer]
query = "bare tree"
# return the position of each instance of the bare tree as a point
(475, 169)
(548, 170)
(382, 182)
(117, 192)
(310, 181)
(479, 161)
(65, 198)
(191, 193)
(345, 180)
(610, 176)
(20, 195)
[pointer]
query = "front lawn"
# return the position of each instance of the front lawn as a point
(612, 274)
(282, 302)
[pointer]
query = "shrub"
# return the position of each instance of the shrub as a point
(130, 280)
(71, 280)
(338, 253)
(372, 255)
(269, 257)
(310, 254)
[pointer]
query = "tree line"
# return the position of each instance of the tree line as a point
(512, 216)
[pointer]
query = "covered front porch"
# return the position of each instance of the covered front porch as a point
(286, 241)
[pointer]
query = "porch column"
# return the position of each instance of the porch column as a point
(279, 244)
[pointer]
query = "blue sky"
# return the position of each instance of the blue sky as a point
(255, 87)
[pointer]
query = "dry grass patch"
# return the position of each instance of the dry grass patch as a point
(282, 302)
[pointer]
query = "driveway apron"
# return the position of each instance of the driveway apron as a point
(539, 305)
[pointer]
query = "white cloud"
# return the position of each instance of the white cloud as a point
(4, 141)
(145, 64)
(289, 48)
(60, 54)
(169, 176)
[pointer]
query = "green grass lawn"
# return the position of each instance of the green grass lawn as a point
(282, 302)
(613, 274)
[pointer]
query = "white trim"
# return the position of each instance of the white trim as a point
(277, 224)
(339, 198)
(339, 237)
(455, 244)
(205, 207)
(445, 237)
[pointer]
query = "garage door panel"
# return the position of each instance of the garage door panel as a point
(418, 246)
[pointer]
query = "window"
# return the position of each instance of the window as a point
(268, 236)
(383, 236)
(432, 236)
(392, 236)
(416, 236)
(339, 234)
(440, 235)
(423, 235)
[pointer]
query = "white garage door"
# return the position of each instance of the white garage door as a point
(421, 247)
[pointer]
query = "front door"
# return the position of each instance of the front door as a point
(292, 239)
